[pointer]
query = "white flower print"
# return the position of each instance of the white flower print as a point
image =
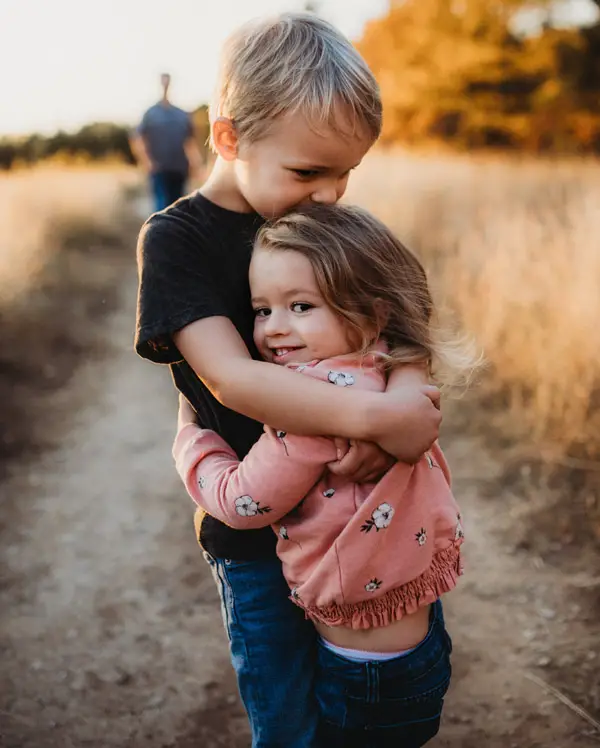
(382, 516)
(380, 519)
(459, 534)
(202, 481)
(430, 461)
(245, 506)
(283, 533)
(373, 585)
(421, 536)
(340, 379)
(281, 436)
(328, 493)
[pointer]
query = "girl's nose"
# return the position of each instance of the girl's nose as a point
(276, 324)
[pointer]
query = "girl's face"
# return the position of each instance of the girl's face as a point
(293, 323)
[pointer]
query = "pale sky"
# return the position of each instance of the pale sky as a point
(66, 63)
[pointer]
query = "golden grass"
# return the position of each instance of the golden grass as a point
(68, 238)
(514, 249)
(36, 205)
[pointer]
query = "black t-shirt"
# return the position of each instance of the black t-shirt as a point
(193, 261)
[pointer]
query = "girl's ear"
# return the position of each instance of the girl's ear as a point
(225, 138)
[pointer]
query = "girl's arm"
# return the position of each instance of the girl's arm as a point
(404, 421)
(271, 480)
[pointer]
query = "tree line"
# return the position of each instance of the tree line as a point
(486, 74)
(94, 142)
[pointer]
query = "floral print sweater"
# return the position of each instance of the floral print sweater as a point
(360, 555)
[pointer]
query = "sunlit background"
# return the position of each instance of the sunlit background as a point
(488, 168)
(121, 47)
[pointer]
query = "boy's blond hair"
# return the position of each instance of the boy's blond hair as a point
(295, 62)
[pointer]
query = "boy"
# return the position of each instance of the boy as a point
(296, 110)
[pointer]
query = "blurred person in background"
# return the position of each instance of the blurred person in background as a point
(165, 146)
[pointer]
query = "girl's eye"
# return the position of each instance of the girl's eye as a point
(262, 312)
(300, 306)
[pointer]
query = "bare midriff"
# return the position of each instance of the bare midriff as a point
(406, 633)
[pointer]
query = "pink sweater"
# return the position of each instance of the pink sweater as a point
(361, 555)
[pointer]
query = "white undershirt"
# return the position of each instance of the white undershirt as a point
(360, 655)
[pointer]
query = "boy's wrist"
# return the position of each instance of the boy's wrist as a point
(371, 417)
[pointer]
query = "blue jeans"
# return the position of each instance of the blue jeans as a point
(391, 704)
(166, 187)
(273, 651)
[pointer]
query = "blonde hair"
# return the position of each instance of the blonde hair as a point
(368, 277)
(295, 62)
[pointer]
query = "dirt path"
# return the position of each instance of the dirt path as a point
(111, 631)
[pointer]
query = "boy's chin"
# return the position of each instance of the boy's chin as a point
(271, 211)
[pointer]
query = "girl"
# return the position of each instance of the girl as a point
(337, 297)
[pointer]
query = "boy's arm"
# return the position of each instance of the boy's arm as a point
(366, 462)
(140, 152)
(271, 480)
(404, 421)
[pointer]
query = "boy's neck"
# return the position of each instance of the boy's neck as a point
(222, 189)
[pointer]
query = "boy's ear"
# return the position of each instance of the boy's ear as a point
(225, 138)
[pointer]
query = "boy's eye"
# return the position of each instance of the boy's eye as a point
(301, 306)
(262, 312)
(306, 173)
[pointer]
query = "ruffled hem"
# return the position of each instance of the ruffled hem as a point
(440, 577)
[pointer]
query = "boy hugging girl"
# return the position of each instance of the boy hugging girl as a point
(300, 335)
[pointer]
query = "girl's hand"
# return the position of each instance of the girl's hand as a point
(360, 462)
(186, 413)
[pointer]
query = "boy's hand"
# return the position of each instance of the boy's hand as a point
(186, 413)
(360, 462)
(409, 423)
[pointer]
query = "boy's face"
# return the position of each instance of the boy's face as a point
(294, 165)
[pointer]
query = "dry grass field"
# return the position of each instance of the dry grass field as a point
(513, 249)
(61, 259)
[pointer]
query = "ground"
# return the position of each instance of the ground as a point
(111, 632)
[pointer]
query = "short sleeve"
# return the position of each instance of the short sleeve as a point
(176, 286)
(142, 128)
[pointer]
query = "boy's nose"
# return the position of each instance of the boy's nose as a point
(327, 194)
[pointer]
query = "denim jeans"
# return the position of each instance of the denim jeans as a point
(273, 651)
(390, 704)
(166, 187)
